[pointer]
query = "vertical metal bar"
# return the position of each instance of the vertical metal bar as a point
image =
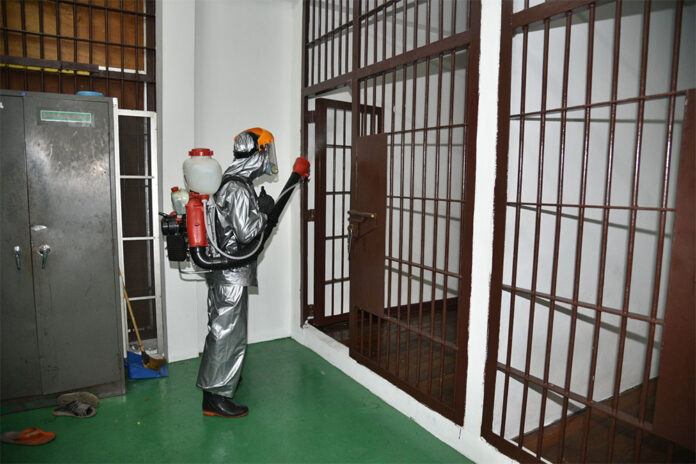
(320, 162)
(24, 41)
(403, 46)
(401, 217)
(355, 127)
(384, 35)
(632, 226)
(138, 86)
(333, 215)
(605, 227)
(340, 37)
(663, 219)
(581, 225)
(537, 225)
(106, 47)
(333, 37)
(123, 58)
(74, 6)
(374, 36)
(343, 210)
(423, 208)
(516, 241)
(390, 229)
(59, 46)
(428, 6)
(325, 39)
(42, 53)
(557, 232)
(415, 25)
(412, 210)
(436, 215)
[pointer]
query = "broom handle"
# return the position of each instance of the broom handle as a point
(130, 310)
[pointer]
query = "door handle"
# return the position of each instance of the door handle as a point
(18, 255)
(44, 251)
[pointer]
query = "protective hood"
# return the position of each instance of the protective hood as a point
(249, 168)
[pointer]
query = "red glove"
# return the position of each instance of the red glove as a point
(301, 167)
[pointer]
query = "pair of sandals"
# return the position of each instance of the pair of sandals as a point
(79, 404)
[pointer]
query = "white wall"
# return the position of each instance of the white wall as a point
(175, 101)
(224, 67)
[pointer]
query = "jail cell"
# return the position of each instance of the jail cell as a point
(595, 171)
(389, 240)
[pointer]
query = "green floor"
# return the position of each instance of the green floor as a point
(302, 409)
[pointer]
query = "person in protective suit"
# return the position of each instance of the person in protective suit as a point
(239, 217)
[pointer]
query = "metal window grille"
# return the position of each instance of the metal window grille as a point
(64, 46)
(592, 172)
(408, 72)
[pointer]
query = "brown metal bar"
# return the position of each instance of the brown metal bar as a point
(390, 197)
(605, 223)
(355, 130)
(333, 216)
(320, 165)
(632, 227)
(331, 84)
(343, 211)
(516, 240)
(333, 36)
(123, 56)
(374, 37)
(106, 7)
(460, 40)
(578, 205)
(422, 333)
(412, 152)
(59, 46)
(401, 211)
(557, 232)
(24, 40)
(424, 184)
(613, 101)
(435, 228)
(545, 11)
(663, 218)
(593, 405)
(537, 224)
(377, 8)
(74, 38)
(575, 302)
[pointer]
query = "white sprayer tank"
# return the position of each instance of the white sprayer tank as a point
(201, 172)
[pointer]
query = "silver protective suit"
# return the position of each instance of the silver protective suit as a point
(235, 213)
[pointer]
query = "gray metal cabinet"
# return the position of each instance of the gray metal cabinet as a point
(61, 324)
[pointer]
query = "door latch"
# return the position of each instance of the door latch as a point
(355, 219)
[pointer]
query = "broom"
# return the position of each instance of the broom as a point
(154, 362)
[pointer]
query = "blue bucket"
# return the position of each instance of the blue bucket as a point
(136, 370)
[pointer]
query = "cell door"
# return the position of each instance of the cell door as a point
(332, 203)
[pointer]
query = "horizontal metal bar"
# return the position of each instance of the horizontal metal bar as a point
(136, 177)
(77, 39)
(569, 205)
(546, 10)
(325, 37)
(334, 83)
(93, 70)
(377, 9)
(423, 266)
(338, 192)
(458, 41)
(422, 333)
(133, 239)
(347, 147)
(600, 104)
(107, 8)
(431, 128)
(404, 197)
(337, 281)
(594, 307)
(619, 415)
(336, 237)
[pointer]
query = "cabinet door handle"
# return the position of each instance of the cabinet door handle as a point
(44, 250)
(18, 256)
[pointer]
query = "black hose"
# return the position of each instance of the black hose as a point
(203, 260)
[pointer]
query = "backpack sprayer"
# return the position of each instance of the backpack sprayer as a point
(188, 228)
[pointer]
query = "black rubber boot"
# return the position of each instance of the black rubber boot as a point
(216, 405)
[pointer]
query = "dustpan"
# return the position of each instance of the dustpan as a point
(136, 370)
